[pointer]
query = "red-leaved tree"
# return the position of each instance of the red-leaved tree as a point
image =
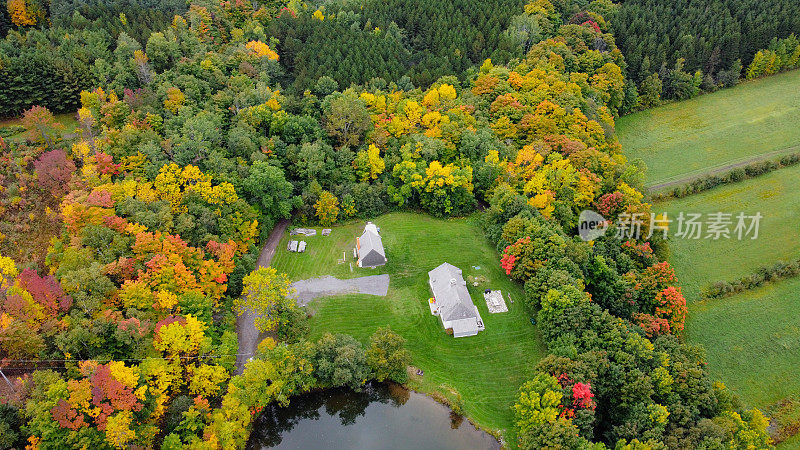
(53, 171)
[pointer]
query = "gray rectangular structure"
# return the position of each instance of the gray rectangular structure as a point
(370, 247)
(453, 302)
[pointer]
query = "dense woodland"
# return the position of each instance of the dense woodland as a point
(118, 316)
(420, 39)
(715, 37)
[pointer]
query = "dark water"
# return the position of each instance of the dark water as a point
(380, 417)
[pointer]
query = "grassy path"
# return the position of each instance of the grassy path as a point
(686, 178)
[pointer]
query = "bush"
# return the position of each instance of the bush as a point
(709, 182)
(763, 275)
(11, 130)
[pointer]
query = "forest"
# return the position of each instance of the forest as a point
(711, 40)
(129, 242)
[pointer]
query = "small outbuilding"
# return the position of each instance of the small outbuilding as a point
(369, 247)
(452, 303)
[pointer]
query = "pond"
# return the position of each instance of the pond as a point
(381, 416)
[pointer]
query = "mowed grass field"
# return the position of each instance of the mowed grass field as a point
(752, 341)
(688, 138)
(701, 262)
(486, 369)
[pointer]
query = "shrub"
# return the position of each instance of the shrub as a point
(763, 275)
(709, 182)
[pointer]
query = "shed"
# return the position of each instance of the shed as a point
(370, 247)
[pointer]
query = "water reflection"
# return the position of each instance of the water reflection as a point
(381, 416)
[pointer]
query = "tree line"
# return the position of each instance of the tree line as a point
(691, 44)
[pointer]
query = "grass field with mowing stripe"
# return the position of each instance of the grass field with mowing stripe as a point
(486, 369)
(690, 137)
(701, 262)
(752, 341)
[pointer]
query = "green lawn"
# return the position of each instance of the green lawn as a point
(486, 369)
(687, 138)
(701, 262)
(791, 443)
(752, 340)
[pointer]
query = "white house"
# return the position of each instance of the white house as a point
(452, 303)
(370, 247)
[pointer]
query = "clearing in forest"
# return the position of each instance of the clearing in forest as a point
(486, 370)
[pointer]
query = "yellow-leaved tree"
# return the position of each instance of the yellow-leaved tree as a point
(265, 296)
(369, 164)
(327, 208)
(261, 49)
(23, 13)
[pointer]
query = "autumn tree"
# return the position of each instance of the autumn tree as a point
(446, 189)
(53, 171)
(539, 403)
(266, 296)
(369, 164)
(174, 100)
(327, 208)
(260, 49)
(24, 12)
(41, 125)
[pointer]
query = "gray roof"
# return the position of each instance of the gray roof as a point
(370, 249)
(451, 294)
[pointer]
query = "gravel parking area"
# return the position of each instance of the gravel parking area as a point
(307, 290)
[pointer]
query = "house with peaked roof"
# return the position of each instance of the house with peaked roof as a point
(452, 303)
(370, 247)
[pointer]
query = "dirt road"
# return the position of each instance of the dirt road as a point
(249, 337)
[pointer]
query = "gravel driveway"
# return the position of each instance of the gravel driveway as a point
(248, 335)
(307, 290)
